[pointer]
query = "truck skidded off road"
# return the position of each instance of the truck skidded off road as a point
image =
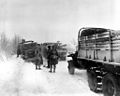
(99, 53)
(30, 51)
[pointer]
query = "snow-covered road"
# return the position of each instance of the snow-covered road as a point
(18, 78)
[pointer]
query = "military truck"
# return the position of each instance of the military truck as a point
(99, 54)
(30, 51)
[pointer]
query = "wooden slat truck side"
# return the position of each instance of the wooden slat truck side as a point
(99, 53)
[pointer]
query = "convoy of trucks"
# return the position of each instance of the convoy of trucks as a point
(99, 54)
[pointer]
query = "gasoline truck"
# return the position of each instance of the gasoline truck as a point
(99, 54)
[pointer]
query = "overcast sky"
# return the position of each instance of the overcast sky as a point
(56, 20)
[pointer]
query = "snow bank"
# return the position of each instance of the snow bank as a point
(9, 75)
(18, 78)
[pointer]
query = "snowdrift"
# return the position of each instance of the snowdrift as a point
(19, 78)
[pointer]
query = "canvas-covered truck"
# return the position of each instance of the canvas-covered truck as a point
(99, 54)
(30, 51)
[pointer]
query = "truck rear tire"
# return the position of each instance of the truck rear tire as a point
(110, 85)
(92, 80)
(71, 68)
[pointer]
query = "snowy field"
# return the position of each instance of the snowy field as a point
(19, 78)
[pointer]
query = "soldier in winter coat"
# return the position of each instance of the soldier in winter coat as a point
(48, 56)
(39, 59)
(53, 59)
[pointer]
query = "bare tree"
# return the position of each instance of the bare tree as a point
(14, 43)
(74, 43)
(3, 42)
(7, 46)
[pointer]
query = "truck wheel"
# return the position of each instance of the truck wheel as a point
(92, 80)
(110, 85)
(71, 68)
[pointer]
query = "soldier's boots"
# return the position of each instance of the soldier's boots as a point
(50, 71)
(38, 67)
(54, 71)
(48, 66)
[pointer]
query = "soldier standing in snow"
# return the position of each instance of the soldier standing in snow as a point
(48, 56)
(53, 59)
(18, 50)
(39, 59)
(19, 47)
(39, 62)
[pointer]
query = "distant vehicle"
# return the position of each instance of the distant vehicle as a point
(99, 54)
(30, 51)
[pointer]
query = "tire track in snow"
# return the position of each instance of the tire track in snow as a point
(64, 83)
(24, 80)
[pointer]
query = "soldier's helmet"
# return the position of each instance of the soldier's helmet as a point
(23, 40)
